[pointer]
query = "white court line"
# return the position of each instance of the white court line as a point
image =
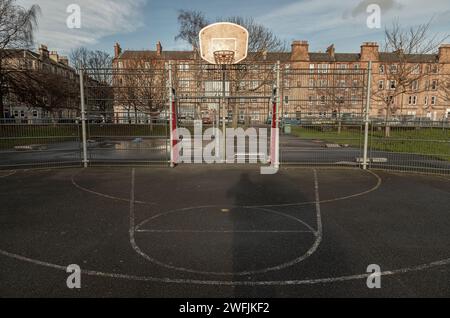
(376, 187)
(9, 174)
(219, 231)
(317, 233)
(379, 181)
(76, 185)
(165, 280)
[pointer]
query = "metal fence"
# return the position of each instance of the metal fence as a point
(39, 144)
(322, 117)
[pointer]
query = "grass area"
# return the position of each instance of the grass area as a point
(24, 134)
(427, 141)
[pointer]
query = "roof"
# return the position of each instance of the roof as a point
(285, 56)
(414, 58)
(165, 55)
(18, 53)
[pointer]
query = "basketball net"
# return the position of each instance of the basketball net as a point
(224, 57)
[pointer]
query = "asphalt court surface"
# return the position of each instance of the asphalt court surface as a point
(223, 231)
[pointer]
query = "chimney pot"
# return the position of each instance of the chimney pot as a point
(331, 50)
(117, 50)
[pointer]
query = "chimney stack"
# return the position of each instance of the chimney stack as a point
(444, 53)
(64, 60)
(117, 50)
(54, 56)
(331, 50)
(43, 51)
(369, 52)
(158, 48)
(300, 51)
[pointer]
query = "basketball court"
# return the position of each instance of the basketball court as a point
(223, 231)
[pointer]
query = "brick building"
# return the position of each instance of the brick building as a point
(327, 83)
(46, 62)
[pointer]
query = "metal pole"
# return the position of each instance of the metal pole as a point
(224, 124)
(172, 118)
(83, 120)
(366, 116)
(278, 103)
(274, 131)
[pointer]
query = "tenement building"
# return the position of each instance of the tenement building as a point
(38, 85)
(312, 83)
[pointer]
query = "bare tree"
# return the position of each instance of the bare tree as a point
(46, 90)
(141, 89)
(17, 26)
(444, 89)
(404, 71)
(261, 39)
(191, 22)
(96, 60)
(99, 78)
(337, 90)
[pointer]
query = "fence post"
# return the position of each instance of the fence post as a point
(366, 116)
(278, 121)
(83, 120)
(275, 124)
(173, 120)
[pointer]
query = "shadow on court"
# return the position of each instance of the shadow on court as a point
(223, 231)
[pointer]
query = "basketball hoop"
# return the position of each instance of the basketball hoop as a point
(224, 57)
(223, 43)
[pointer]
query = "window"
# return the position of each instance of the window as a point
(310, 100)
(356, 66)
(393, 69)
(415, 85)
(416, 69)
(35, 113)
(286, 100)
(341, 68)
(323, 68)
(433, 100)
(183, 67)
(390, 99)
(322, 100)
(412, 100)
(381, 85)
(392, 84)
(323, 83)
(184, 84)
(432, 68)
(381, 68)
(425, 102)
(311, 68)
(434, 85)
(311, 84)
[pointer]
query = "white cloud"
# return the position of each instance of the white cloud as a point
(344, 22)
(99, 18)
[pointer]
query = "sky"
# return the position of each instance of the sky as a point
(139, 24)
